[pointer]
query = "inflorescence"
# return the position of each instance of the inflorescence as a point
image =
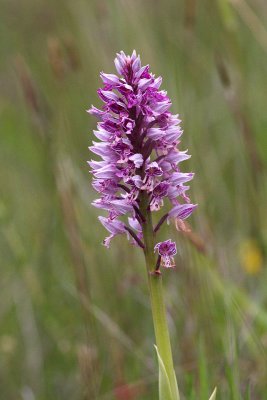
(139, 155)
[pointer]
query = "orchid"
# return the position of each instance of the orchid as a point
(137, 174)
(138, 139)
(166, 251)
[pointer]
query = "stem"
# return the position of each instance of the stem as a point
(162, 219)
(136, 238)
(156, 296)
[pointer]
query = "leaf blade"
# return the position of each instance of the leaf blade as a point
(165, 392)
(213, 396)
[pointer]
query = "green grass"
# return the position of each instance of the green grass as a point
(64, 336)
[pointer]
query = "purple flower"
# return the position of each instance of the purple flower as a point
(160, 191)
(137, 149)
(113, 226)
(182, 211)
(166, 251)
(151, 172)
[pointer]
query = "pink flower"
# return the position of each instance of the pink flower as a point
(137, 147)
(166, 251)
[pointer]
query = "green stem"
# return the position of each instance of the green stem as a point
(156, 297)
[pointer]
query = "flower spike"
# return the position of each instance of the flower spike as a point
(137, 145)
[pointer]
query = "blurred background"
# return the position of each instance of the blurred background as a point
(75, 319)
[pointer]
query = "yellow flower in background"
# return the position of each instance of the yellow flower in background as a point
(7, 344)
(250, 257)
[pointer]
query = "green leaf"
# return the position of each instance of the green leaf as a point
(213, 396)
(165, 390)
(164, 382)
(175, 390)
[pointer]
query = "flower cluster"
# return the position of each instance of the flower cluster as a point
(138, 139)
